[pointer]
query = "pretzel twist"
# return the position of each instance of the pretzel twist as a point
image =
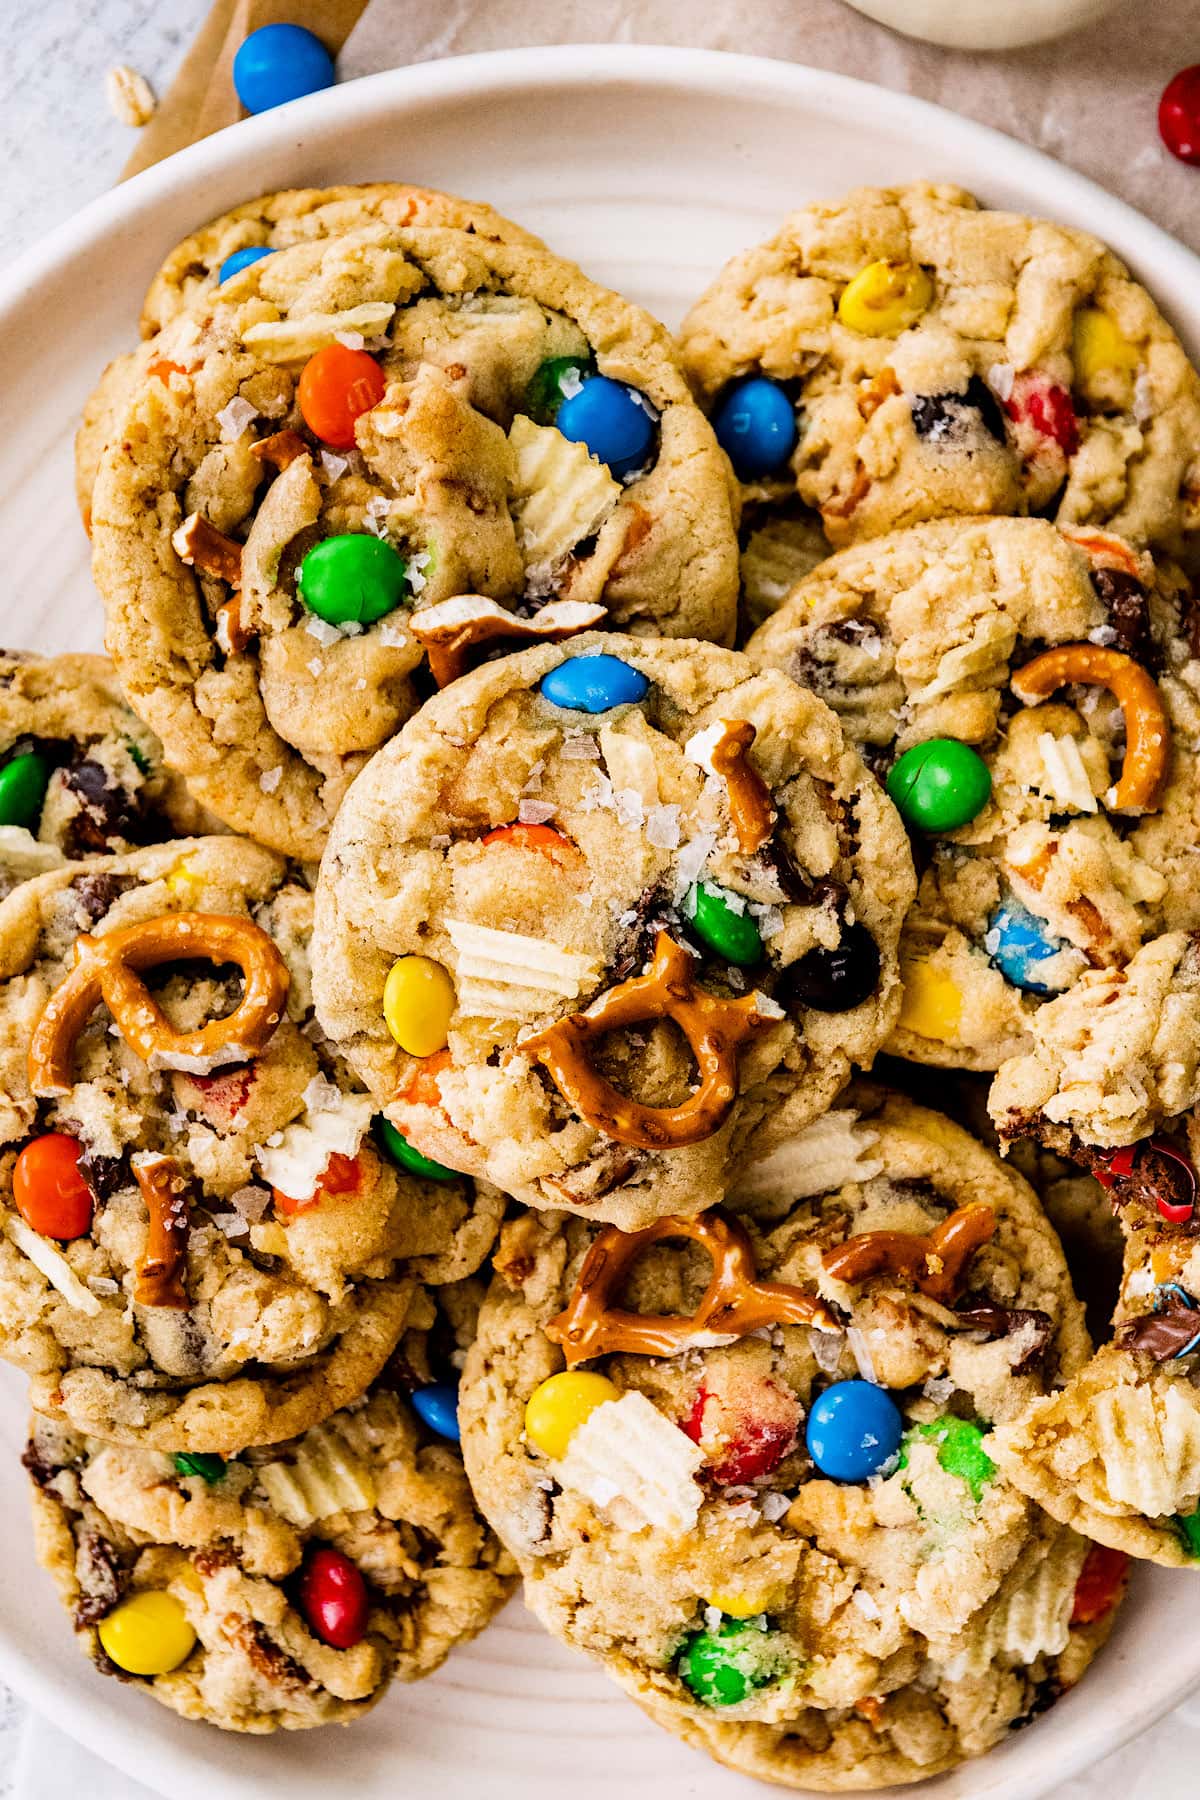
(734, 1302)
(936, 1262)
(164, 1187)
(750, 804)
(1147, 729)
(714, 1028)
(452, 630)
(105, 970)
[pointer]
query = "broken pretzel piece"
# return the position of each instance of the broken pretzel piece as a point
(160, 1272)
(453, 629)
(1147, 730)
(734, 1303)
(714, 1028)
(201, 546)
(937, 1262)
(723, 750)
(105, 970)
(280, 449)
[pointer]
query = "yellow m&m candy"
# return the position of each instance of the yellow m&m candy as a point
(742, 1606)
(148, 1634)
(558, 1407)
(885, 298)
(418, 1001)
(1099, 348)
(932, 1003)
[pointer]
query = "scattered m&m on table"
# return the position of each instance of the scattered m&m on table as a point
(1179, 115)
(593, 684)
(854, 1430)
(279, 63)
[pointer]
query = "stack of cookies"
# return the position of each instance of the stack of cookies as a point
(471, 968)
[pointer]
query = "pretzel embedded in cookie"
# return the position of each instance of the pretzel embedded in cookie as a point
(723, 749)
(203, 547)
(452, 629)
(936, 1262)
(734, 1303)
(1147, 729)
(160, 1273)
(105, 969)
(714, 1028)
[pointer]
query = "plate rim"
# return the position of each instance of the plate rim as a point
(690, 73)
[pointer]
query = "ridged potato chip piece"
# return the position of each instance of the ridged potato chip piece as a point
(561, 493)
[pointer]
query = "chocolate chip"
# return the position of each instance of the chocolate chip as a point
(982, 1314)
(1162, 1335)
(105, 1175)
(940, 418)
(95, 894)
(40, 1468)
(107, 815)
(833, 981)
(101, 1579)
(1127, 605)
(652, 913)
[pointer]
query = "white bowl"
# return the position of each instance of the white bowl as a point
(650, 166)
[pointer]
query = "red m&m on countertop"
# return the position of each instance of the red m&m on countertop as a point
(1179, 115)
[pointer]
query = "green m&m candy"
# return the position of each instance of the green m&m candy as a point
(1188, 1527)
(716, 921)
(353, 579)
(939, 785)
(198, 1462)
(960, 1451)
(561, 376)
(397, 1147)
(722, 1665)
(23, 784)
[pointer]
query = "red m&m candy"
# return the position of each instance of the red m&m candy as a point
(48, 1191)
(1179, 115)
(336, 387)
(333, 1599)
(342, 1175)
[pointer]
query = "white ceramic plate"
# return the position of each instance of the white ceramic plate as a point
(650, 166)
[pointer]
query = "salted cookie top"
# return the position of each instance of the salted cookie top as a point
(947, 1716)
(901, 354)
(231, 243)
(283, 1587)
(758, 1482)
(1030, 698)
(80, 775)
(517, 452)
(600, 908)
(1117, 1452)
(202, 1242)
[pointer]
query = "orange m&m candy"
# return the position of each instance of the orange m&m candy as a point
(342, 1175)
(336, 386)
(48, 1191)
(542, 838)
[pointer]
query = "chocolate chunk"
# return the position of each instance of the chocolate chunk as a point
(943, 418)
(652, 913)
(982, 1314)
(265, 1655)
(1127, 604)
(101, 1579)
(833, 981)
(37, 1465)
(108, 816)
(1162, 1335)
(105, 1175)
(95, 894)
(1045, 1695)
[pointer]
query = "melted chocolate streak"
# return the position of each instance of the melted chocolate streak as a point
(1165, 1335)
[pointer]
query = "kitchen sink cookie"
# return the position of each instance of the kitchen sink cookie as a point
(600, 909)
(234, 241)
(80, 775)
(282, 1587)
(739, 1458)
(1117, 1452)
(902, 354)
(1029, 697)
(950, 1715)
(517, 452)
(206, 1238)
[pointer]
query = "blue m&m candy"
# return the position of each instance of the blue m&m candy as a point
(613, 420)
(242, 259)
(755, 423)
(278, 63)
(1017, 941)
(437, 1407)
(593, 684)
(854, 1428)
